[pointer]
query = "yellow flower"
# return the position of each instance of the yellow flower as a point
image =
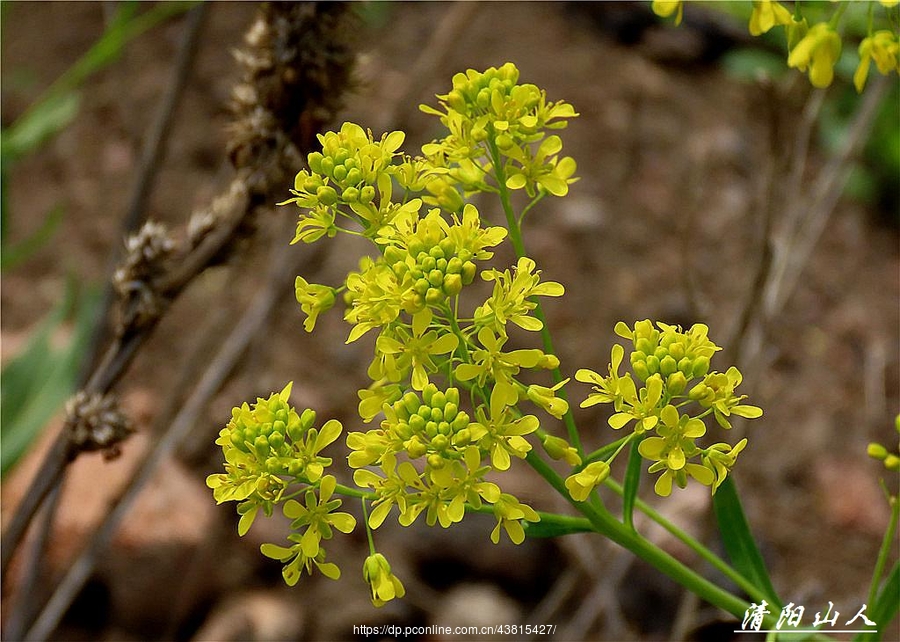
(382, 582)
(766, 14)
(818, 51)
(665, 8)
(313, 299)
(882, 47)
(582, 483)
(510, 512)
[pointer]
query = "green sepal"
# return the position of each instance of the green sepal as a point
(632, 483)
(247, 511)
(739, 542)
(553, 525)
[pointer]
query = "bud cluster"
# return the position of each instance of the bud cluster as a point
(666, 360)
(429, 274)
(433, 427)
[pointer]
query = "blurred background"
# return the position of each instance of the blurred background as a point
(683, 139)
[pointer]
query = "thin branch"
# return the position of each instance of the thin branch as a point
(155, 148)
(222, 365)
(149, 168)
(825, 194)
(262, 153)
(452, 25)
(766, 207)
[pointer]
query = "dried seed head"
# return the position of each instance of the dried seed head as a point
(296, 65)
(96, 423)
(148, 255)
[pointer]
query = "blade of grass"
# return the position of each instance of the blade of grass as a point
(59, 103)
(739, 541)
(13, 255)
(37, 382)
(885, 608)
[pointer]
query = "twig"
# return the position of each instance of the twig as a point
(149, 167)
(263, 154)
(823, 198)
(455, 20)
(215, 375)
(789, 243)
(24, 607)
(766, 206)
(155, 148)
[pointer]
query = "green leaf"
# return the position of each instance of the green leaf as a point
(552, 525)
(21, 251)
(41, 378)
(59, 104)
(44, 120)
(738, 540)
(631, 483)
(885, 608)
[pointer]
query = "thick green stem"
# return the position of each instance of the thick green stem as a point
(355, 492)
(605, 524)
(714, 560)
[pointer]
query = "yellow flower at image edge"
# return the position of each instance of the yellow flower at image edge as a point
(817, 51)
(884, 48)
(383, 583)
(665, 8)
(766, 14)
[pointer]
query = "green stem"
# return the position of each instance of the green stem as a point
(838, 14)
(355, 492)
(714, 560)
(368, 530)
(515, 235)
(884, 553)
(605, 524)
(607, 450)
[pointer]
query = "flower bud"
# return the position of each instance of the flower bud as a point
(452, 284)
(676, 383)
(558, 448)
(877, 451)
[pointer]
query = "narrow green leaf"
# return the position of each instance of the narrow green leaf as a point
(45, 119)
(13, 255)
(38, 381)
(738, 540)
(59, 103)
(885, 608)
(632, 483)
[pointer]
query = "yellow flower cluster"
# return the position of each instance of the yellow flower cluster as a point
(443, 379)
(269, 448)
(816, 49)
(666, 360)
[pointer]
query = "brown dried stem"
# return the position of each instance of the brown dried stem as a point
(295, 68)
